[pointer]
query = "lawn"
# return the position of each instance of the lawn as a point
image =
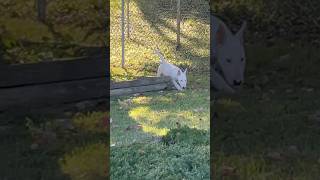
(161, 135)
(271, 129)
(68, 146)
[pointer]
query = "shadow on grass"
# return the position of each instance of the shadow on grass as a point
(156, 19)
(18, 161)
(45, 150)
(152, 12)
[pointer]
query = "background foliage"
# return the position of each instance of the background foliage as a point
(69, 25)
(293, 20)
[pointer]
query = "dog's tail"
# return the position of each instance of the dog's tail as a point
(158, 52)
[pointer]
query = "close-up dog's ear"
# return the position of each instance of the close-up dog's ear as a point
(221, 35)
(222, 31)
(185, 71)
(179, 72)
(240, 32)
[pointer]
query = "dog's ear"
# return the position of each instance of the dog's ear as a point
(222, 31)
(240, 32)
(221, 35)
(179, 72)
(185, 71)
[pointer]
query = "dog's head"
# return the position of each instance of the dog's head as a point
(230, 52)
(182, 78)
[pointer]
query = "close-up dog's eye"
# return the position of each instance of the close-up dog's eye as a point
(229, 60)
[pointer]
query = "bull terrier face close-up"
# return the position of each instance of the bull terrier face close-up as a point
(182, 78)
(230, 53)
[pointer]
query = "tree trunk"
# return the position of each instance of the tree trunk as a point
(41, 10)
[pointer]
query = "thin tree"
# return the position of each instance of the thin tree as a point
(178, 23)
(41, 10)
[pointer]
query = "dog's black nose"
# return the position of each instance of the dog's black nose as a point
(237, 83)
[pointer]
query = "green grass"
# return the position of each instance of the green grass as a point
(40, 148)
(161, 135)
(181, 119)
(272, 115)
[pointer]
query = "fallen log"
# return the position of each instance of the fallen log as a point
(140, 85)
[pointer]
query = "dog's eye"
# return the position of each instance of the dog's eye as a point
(228, 60)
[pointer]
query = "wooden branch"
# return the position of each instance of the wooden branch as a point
(139, 82)
(138, 89)
(140, 85)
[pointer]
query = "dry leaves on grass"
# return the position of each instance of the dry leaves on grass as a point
(134, 127)
(276, 156)
(316, 116)
(125, 104)
(228, 171)
(201, 109)
(307, 89)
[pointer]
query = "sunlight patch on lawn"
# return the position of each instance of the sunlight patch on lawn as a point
(142, 100)
(145, 100)
(144, 115)
(154, 130)
(195, 119)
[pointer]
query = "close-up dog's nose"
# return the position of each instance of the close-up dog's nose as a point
(237, 83)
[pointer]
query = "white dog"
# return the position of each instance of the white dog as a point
(178, 77)
(228, 56)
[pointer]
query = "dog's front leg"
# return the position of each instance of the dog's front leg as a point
(176, 85)
(220, 84)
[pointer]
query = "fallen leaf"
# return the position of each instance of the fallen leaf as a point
(125, 103)
(293, 150)
(34, 146)
(136, 127)
(307, 89)
(228, 171)
(198, 109)
(315, 116)
(289, 91)
(275, 156)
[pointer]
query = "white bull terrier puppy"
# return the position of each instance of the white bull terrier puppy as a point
(178, 77)
(228, 56)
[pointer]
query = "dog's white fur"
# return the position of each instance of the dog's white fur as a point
(228, 55)
(178, 77)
